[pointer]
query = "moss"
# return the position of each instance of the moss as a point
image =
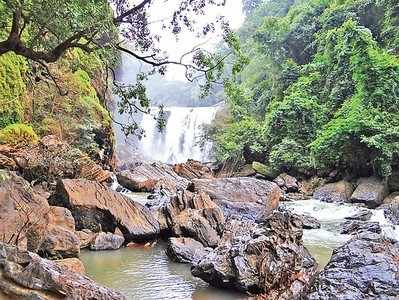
(12, 88)
(18, 135)
(264, 170)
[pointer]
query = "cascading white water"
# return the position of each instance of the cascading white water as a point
(181, 137)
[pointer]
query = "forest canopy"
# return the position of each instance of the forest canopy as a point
(321, 90)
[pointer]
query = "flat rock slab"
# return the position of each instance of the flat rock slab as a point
(241, 195)
(98, 208)
(150, 177)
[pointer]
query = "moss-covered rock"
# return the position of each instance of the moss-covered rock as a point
(18, 135)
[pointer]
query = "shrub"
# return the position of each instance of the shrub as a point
(18, 135)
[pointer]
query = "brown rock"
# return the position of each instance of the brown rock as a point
(20, 209)
(193, 169)
(287, 183)
(24, 275)
(98, 208)
(72, 264)
(340, 191)
(392, 198)
(308, 186)
(241, 195)
(52, 159)
(85, 236)
(370, 191)
(148, 177)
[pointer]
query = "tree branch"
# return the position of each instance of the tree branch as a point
(131, 11)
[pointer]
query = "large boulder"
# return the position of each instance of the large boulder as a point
(193, 215)
(58, 238)
(20, 209)
(370, 192)
(98, 208)
(243, 196)
(25, 275)
(185, 250)
(193, 169)
(366, 267)
(106, 241)
(340, 191)
(151, 177)
(267, 258)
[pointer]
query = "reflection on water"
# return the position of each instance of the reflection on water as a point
(147, 273)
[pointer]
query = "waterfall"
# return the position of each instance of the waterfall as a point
(181, 137)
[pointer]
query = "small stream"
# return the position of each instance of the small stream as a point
(146, 273)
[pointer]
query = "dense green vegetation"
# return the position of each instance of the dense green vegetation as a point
(321, 90)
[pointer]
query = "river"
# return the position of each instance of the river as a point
(146, 273)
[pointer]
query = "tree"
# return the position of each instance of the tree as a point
(44, 30)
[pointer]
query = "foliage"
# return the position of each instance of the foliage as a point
(323, 86)
(12, 88)
(18, 135)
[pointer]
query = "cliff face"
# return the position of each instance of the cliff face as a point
(70, 103)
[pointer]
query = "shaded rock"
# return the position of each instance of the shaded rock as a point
(308, 186)
(392, 199)
(363, 215)
(245, 171)
(241, 195)
(287, 183)
(52, 159)
(393, 181)
(97, 208)
(340, 191)
(356, 227)
(25, 275)
(58, 242)
(106, 241)
(264, 170)
(366, 267)
(295, 197)
(72, 264)
(267, 258)
(193, 169)
(370, 191)
(150, 177)
(185, 250)
(309, 222)
(391, 212)
(85, 236)
(20, 209)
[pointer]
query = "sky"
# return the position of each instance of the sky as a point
(232, 12)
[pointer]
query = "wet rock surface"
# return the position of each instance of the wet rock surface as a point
(340, 191)
(363, 215)
(106, 241)
(243, 196)
(267, 258)
(366, 267)
(185, 250)
(355, 227)
(309, 222)
(151, 177)
(370, 192)
(25, 275)
(97, 208)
